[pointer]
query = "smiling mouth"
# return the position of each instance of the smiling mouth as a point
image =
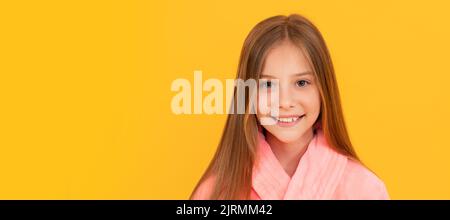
(287, 119)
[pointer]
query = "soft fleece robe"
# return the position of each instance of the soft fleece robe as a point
(322, 173)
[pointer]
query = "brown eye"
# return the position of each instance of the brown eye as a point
(302, 83)
(266, 84)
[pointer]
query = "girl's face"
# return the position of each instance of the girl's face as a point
(287, 68)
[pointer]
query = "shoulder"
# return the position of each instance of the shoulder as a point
(204, 189)
(358, 182)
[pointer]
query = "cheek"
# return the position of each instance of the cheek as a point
(311, 103)
(315, 104)
(262, 105)
(264, 102)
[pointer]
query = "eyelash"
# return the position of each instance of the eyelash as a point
(266, 84)
(307, 83)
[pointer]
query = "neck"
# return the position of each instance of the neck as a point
(289, 154)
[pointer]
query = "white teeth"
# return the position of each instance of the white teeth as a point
(287, 120)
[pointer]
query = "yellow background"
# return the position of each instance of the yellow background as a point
(85, 91)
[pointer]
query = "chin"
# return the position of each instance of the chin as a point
(288, 137)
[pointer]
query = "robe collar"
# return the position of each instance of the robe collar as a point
(316, 177)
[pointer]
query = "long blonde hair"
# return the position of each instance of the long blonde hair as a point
(233, 161)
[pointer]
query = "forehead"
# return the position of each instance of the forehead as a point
(285, 59)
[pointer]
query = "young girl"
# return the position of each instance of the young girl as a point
(306, 153)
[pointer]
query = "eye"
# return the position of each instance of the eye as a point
(265, 84)
(302, 83)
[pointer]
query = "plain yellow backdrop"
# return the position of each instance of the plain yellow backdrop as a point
(85, 91)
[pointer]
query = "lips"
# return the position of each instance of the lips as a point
(288, 120)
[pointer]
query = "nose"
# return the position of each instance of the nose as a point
(285, 98)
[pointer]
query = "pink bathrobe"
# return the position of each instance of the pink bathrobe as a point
(322, 173)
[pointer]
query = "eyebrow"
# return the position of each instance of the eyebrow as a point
(296, 74)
